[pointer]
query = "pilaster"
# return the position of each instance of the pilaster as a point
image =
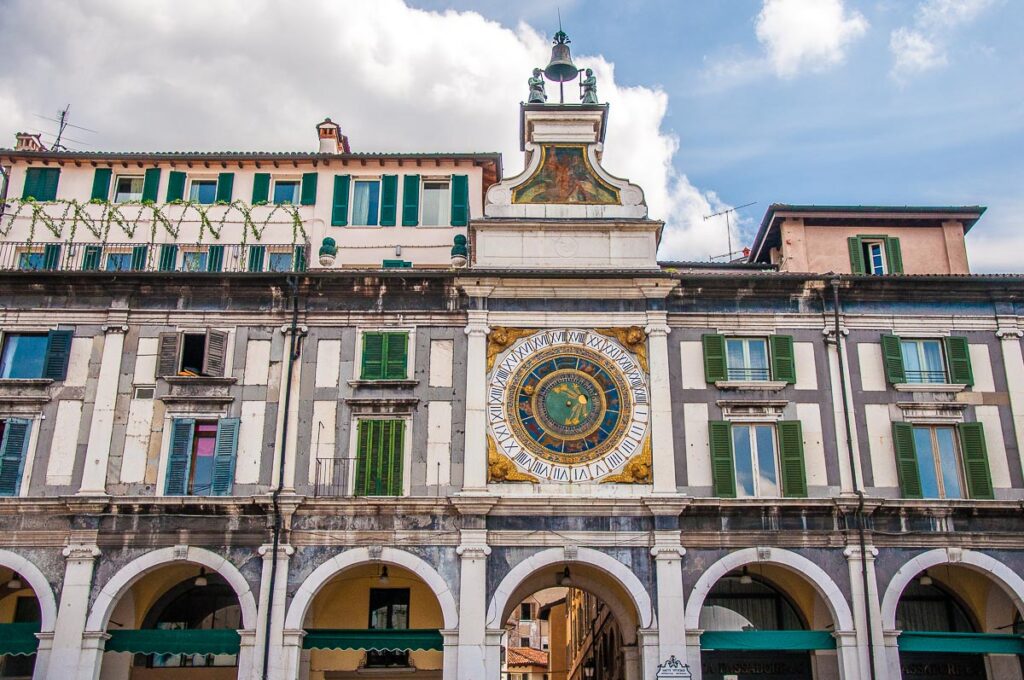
(290, 440)
(865, 653)
(74, 654)
(668, 565)
(475, 450)
(662, 442)
(1013, 364)
(846, 475)
(473, 640)
(272, 615)
(97, 453)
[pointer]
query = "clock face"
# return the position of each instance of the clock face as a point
(568, 405)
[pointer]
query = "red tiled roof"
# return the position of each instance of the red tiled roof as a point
(527, 656)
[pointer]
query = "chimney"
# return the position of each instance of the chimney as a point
(331, 139)
(28, 142)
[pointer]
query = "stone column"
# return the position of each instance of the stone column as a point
(864, 652)
(291, 444)
(838, 417)
(39, 672)
(292, 655)
(662, 441)
(849, 661)
(892, 656)
(272, 615)
(631, 662)
(450, 663)
(248, 666)
(97, 454)
(472, 658)
(668, 565)
(474, 479)
(1013, 364)
(647, 639)
(70, 657)
(492, 655)
(693, 653)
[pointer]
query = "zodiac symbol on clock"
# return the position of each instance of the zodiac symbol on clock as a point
(575, 401)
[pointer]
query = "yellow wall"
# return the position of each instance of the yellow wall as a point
(558, 642)
(8, 597)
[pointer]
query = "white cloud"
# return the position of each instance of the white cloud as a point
(913, 52)
(807, 35)
(923, 47)
(258, 74)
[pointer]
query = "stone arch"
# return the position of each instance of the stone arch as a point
(1007, 579)
(822, 582)
(129, 574)
(356, 556)
(40, 586)
(638, 596)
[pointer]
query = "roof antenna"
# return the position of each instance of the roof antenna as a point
(62, 122)
(728, 227)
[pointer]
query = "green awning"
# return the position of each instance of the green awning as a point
(18, 638)
(410, 640)
(961, 643)
(779, 640)
(157, 641)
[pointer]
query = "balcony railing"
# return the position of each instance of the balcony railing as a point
(925, 376)
(749, 374)
(153, 257)
(332, 477)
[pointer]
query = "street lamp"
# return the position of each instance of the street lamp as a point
(588, 669)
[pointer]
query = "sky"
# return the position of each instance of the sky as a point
(713, 103)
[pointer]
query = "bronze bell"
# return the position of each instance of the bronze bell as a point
(561, 69)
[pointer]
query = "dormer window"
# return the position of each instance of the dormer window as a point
(876, 255)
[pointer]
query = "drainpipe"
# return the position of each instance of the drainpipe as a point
(861, 515)
(293, 284)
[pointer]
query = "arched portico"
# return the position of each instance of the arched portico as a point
(40, 586)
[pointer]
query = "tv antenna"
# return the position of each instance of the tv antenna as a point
(728, 223)
(62, 122)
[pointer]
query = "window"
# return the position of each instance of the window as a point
(201, 457)
(942, 461)
(384, 356)
(743, 601)
(260, 259)
(380, 448)
(749, 359)
(194, 261)
(128, 188)
(389, 610)
(35, 355)
(203, 191)
(525, 613)
(757, 459)
(365, 203)
(927, 361)
(192, 354)
(875, 255)
(193, 607)
(524, 642)
(757, 468)
(119, 262)
(931, 608)
(30, 261)
(922, 361)
(938, 462)
(41, 184)
(436, 202)
(14, 435)
(279, 261)
(286, 191)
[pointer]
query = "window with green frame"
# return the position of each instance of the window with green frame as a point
(875, 254)
(756, 459)
(927, 360)
(385, 356)
(748, 359)
(380, 445)
(942, 461)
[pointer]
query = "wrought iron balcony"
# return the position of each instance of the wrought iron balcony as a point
(332, 477)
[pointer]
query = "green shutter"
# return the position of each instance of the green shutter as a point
(175, 186)
(396, 350)
(179, 457)
(13, 449)
(307, 193)
(41, 184)
(101, 184)
(260, 188)
(139, 256)
(151, 185)
(168, 257)
(783, 358)
(856, 255)
(714, 357)
(906, 460)
(215, 258)
(51, 256)
(958, 356)
(460, 200)
(299, 263)
(58, 351)
(363, 436)
(411, 200)
(893, 255)
(723, 471)
(256, 255)
(892, 358)
(379, 448)
(224, 454)
(394, 438)
(339, 206)
(372, 356)
(91, 258)
(791, 459)
(389, 201)
(975, 457)
(225, 187)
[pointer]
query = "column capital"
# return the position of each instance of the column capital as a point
(1009, 333)
(293, 637)
(476, 322)
(81, 552)
(657, 330)
(830, 332)
(267, 549)
(300, 329)
(852, 552)
(119, 329)
(473, 551)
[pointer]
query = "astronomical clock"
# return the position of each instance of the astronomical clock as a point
(568, 406)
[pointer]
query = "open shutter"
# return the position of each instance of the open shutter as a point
(179, 457)
(714, 357)
(373, 356)
(783, 359)
(260, 187)
(299, 259)
(58, 351)
(224, 456)
(307, 192)
(51, 256)
(893, 255)
(151, 185)
(460, 200)
(225, 187)
(396, 350)
(791, 459)
(175, 186)
(892, 358)
(256, 255)
(91, 258)
(411, 200)
(906, 460)
(339, 206)
(856, 255)
(364, 435)
(167, 354)
(723, 472)
(139, 257)
(13, 449)
(215, 258)
(959, 358)
(101, 184)
(393, 437)
(975, 456)
(41, 184)
(389, 201)
(216, 352)
(168, 257)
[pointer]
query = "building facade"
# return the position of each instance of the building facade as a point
(324, 415)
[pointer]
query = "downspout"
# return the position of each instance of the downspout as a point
(293, 284)
(861, 516)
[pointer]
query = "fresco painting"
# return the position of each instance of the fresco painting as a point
(564, 175)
